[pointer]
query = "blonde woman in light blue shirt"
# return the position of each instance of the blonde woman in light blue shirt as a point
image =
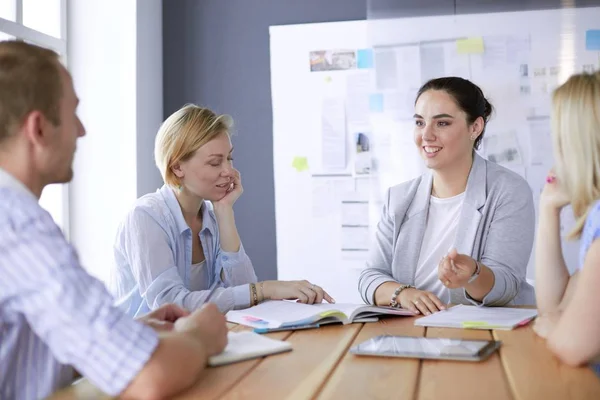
(181, 241)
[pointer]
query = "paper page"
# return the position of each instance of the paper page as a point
(355, 238)
(410, 59)
(351, 309)
(432, 62)
(494, 56)
(274, 314)
(462, 316)
(355, 213)
(358, 87)
(247, 345)
(503, 149)
(333, 135)
(540, 141)
(324, 201)
(386, 69)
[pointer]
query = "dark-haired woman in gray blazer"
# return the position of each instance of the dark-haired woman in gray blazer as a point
(462, 233)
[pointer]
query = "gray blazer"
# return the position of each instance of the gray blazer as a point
(496, 227)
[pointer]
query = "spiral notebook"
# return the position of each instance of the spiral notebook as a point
(243, 346)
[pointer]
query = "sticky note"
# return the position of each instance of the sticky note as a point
(469, 46)
(255, 320)
(376, 102)
(364, 58)
(592, 39)
(478, 325)
(300, 164)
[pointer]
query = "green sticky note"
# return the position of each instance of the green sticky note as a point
(469, 46)
(300, 164)
(479, 325)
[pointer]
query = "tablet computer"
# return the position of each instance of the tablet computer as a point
(427, 348)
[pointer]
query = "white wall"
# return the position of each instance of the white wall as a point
(105, 58)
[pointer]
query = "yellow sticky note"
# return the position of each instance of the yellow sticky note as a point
(478, 325)
(300, 164)
(470, 46)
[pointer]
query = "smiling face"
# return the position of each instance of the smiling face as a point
(208, 173)
(442, 133)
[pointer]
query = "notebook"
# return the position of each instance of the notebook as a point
(247, 345)
(472, 317)
(282, 314)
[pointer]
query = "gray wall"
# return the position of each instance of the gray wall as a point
(149, 95)
(216, 53)
(416, 8)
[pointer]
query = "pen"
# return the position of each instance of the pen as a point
(212, 291)
(285, 328)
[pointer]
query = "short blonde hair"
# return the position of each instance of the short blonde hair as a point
(184, 132)
(576, 140)
(30, 80)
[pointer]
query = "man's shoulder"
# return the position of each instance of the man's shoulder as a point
(17, 208)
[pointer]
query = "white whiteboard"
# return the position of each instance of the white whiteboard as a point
(326, 202)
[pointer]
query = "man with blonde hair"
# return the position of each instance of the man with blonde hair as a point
(55, 318)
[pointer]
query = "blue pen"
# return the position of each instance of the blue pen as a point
(285, 328)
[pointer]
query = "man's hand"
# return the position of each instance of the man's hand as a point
(209, 325)
(163, 318)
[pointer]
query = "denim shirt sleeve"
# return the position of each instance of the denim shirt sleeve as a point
(591, 232)
(147, 249)
(237, 267)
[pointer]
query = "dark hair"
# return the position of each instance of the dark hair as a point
(467, 95)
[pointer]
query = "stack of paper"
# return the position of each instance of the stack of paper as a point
(246, 345)
(472, 317)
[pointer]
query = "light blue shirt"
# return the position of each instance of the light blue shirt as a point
(153, 259)
(591, 232)
(53, 315)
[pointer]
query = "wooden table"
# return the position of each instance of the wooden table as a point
(320, 367)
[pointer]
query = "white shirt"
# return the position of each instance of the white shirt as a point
(199, 278)
(440, 233)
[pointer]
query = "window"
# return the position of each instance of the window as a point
(42, 22)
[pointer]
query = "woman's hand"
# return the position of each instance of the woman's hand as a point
(553, 195)
(420, 301)
(304, 291)
(455, 269)
(233, 193)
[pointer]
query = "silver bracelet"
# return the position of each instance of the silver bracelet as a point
(476, 273)
(394, 303)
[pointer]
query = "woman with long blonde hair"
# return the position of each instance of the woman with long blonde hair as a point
(568, 305)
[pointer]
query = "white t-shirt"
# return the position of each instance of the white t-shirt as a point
(440, 233)
(199, 276)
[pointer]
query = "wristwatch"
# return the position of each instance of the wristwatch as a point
(476, 273)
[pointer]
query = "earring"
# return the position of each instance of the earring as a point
(472, 137)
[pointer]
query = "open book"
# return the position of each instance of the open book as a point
(284, 314)
(472, 317)
(246, 345)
